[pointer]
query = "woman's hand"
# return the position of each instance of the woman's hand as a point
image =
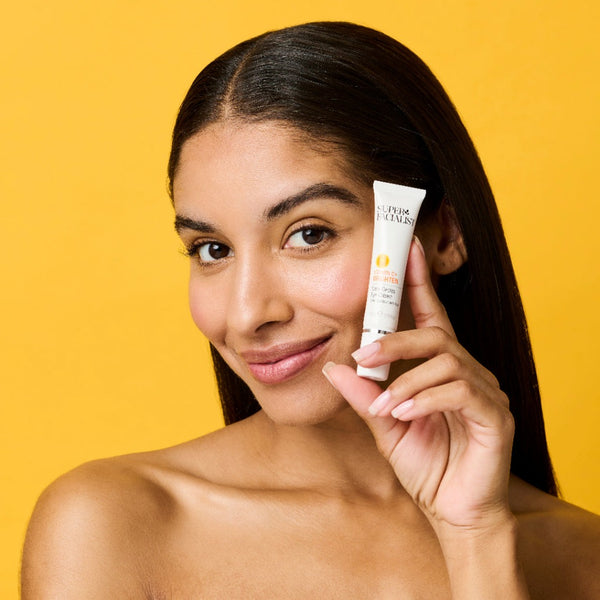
(444, 425)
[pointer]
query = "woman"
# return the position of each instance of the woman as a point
(327, 486)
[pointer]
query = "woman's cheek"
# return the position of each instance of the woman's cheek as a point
(339, 288)
(205, 313)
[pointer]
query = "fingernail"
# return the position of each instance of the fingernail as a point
(379, 403)
(417, 242)
(403, 408)
(325, 370)
(366, 351)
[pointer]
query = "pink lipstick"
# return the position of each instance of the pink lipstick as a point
(284, 361)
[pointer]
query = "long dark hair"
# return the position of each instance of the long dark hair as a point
(377, 102)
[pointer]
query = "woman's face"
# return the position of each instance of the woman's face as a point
(279, 235)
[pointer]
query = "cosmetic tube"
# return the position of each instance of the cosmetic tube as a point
(396, 210)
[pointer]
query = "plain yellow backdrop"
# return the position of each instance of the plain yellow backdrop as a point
(99, 356)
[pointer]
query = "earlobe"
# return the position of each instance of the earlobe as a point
(449, 253)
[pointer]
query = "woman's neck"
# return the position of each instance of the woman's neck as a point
(338, 456)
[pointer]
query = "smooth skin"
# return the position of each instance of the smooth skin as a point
(320, 494)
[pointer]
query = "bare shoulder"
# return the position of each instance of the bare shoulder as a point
(559, 545)
(100, 531)
(84, 527)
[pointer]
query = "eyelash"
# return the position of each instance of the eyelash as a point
(327, 233)
(193, 250)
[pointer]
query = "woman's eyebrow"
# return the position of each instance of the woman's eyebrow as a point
(318, 190)
(182, 222)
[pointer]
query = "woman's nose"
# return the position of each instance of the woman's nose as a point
(258, 296)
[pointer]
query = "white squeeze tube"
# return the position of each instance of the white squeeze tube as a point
(396, 210)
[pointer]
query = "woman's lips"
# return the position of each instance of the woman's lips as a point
(285, 361)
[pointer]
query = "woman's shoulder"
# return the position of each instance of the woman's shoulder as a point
(123, 487)
(559, 543)
(85, 525)
(99, 523)
(98, 487)
(546, 515)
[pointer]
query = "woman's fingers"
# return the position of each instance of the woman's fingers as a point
(360, 393)
(459, 397)
(426, 307)
(345, 380)
(409, 344)
(437, 371)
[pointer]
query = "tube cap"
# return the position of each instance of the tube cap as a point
(380, 373)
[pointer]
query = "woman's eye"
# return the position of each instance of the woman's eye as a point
(308, 236)
(212, 251)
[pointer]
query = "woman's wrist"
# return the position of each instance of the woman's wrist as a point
(482, 561)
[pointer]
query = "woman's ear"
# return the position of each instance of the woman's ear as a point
(447, 246)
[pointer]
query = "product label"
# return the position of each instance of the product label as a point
(396, 214)
(383, 297)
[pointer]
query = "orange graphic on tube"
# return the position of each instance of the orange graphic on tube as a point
(382, 261)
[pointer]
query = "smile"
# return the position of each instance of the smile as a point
(285, 361)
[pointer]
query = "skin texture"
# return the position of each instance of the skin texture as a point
(314, 496)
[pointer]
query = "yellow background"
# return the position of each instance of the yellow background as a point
(99, 356)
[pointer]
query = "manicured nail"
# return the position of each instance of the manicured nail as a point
(403, 408)
(417, 242)
(366, 351)
(379, 402)
(325, 370)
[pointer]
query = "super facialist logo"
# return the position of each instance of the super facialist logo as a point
(387, 212)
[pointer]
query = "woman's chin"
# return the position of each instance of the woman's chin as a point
(303, 408)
